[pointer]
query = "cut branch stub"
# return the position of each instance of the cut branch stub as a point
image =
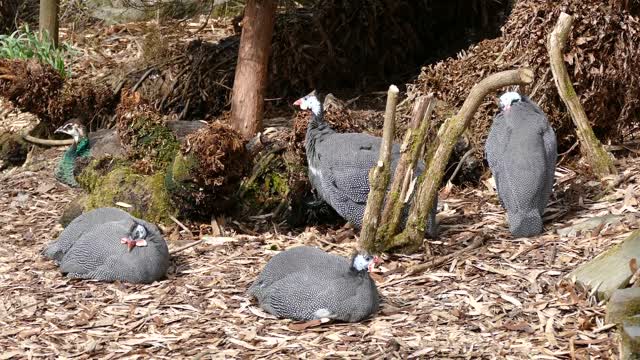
(411, 238)
(379, 176)
(411, 149)
(597, 156)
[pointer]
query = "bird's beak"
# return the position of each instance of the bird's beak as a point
(130, 243)
(58, 130)
(298, 102)
(372, 265)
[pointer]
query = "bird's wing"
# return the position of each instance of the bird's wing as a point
(95, 246)
(494, 145)
(302, 295)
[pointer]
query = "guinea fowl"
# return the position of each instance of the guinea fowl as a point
(521, 151)
(306, 283)
(339, 165)
(109, 244)
(84, 147)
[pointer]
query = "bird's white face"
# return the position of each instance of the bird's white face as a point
(362, 261)
(509, 98)
(72, 129)
(309, 102)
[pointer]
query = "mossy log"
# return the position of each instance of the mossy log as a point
(114, 181)
(412, 236)
(610, 270)
(599, 159)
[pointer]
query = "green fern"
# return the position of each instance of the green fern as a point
(27, 44)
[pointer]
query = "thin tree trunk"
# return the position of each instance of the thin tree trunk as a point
(247, 102)
(591, 147)
(49, 19)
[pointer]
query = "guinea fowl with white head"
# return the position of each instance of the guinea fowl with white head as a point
(109, 244)
(521, 151)
(306, 283)
(339, 165)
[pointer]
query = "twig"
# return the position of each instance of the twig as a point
(185, 247)
(459, 166)
(142, 78)
(182, 226)
(477, 242)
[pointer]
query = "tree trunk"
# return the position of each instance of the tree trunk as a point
(49, 19)
(247, 101)
(591, 147)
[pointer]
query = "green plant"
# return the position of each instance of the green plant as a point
(27, 44)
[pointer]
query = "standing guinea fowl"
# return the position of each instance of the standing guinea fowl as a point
(521, 151)
(84, 147)
(306, 283)
(339, 165)
(108, 244)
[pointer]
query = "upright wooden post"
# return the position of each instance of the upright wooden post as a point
(247, 101)
(49, 19)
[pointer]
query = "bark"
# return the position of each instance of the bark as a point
(599, 159)
(247, 101)
(411, 238)
(379, 176)
(49, 19)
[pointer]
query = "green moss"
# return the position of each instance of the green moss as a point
(153, 141)
(146, 194)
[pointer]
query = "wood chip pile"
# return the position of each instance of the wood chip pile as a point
(602, 56)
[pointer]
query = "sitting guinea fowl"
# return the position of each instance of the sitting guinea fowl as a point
(120, 247)
(521, 151)
(84, 147)
(339, 165)
(306, 283)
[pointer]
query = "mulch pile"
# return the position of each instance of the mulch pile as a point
(39, 89)
(601, 55)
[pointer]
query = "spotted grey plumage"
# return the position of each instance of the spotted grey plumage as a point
(78, 227)
(339, 165)
(95, 249)
(306, 283)
(521, 151)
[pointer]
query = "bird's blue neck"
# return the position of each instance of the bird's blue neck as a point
(64, 172)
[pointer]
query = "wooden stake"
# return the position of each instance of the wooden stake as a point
(412, 236)
(379, 176)
(599, 159)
